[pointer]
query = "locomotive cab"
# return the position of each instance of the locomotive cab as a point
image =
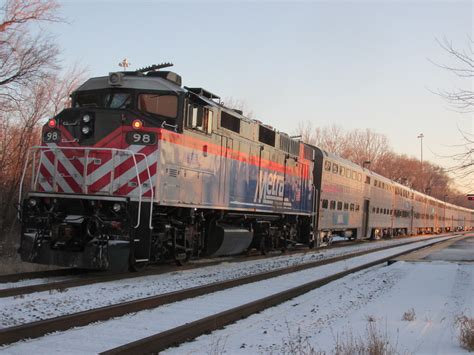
(89, 204)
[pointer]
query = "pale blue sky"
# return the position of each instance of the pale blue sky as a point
(358, 64)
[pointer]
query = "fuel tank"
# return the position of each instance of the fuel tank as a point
(228, 240)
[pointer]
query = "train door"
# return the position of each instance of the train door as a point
(226, 148)
(365, 219)
(304, 188)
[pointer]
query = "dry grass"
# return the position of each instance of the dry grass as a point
(370, 318)
(297, 344)
(409, 315)
(465, 325)
(375, 342)
(217, 346)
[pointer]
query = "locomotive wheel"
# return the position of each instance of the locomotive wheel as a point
(182, 259)
(133, 266)
(283, 245)
(264, 249)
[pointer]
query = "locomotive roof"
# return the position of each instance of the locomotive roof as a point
(131, 82)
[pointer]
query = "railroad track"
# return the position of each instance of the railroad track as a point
(88, 277)
(42, 327)
(39, 275)
(191, 330)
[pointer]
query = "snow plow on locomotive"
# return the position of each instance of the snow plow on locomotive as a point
(142, 170)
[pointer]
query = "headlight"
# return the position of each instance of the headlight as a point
(117, 207)
(32, 202)
(85, 130)
(86, 118)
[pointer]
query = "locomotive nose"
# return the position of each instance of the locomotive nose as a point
(87, 126)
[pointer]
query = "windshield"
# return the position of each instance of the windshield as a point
(159, 104)
(107, 99)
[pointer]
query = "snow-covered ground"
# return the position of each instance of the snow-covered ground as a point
(330, 304)
(49, 304)
(437, 292)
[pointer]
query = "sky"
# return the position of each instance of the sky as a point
(356, 64)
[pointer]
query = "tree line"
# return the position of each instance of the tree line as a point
(33, 87)
(370, 149)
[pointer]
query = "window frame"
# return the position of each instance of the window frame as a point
(158, 93)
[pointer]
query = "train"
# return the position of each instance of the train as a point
(141, 169)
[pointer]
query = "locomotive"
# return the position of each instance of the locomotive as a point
(141, 169)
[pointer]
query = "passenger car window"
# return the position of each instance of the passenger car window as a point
(339, 205)
(335, 168)
(327, 165)
(324, 204)
(346, 206)
(332, 205)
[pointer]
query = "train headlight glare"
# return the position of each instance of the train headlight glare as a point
(85, 130)
(52, 123)
(117, 207)
(86, 118)
(137, 124)
(32, 202)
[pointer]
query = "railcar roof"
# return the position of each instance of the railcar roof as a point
(352, 165)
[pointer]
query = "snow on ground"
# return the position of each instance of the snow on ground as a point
(49, 304)
(102, 336)
(436, 291)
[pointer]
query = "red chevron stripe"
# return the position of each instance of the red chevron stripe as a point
(125, 189)
(122, 168)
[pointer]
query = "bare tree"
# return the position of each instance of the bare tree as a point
(366, 145)
(331, 138)
(460, 99)
(31, 89)
(24, 59)
(240, 105)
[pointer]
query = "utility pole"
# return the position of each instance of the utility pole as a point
(420, 136)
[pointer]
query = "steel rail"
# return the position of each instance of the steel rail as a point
(93, 277)
(39, 275)
(39, 328)
(186, 332)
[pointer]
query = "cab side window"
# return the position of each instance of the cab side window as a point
(199, 118)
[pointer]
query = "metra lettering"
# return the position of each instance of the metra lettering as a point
(269, 184)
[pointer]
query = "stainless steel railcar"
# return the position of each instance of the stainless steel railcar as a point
(357, 203)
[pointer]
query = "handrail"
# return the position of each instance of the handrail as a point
(133, 155)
